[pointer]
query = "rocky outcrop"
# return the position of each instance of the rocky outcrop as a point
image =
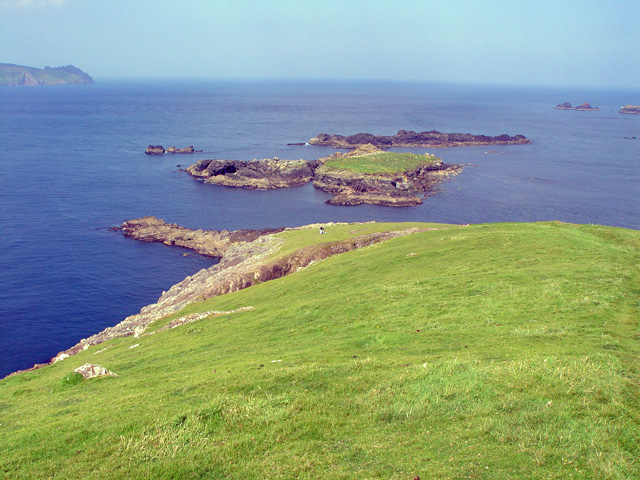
(188, 149)
(212, 243)
(256, 174)
(396, 190)
(630, 109)
(586, 107)
(243, 265)
(90, 370)
(154, 150)
(582, 107)
(159, 150)
(411, 139)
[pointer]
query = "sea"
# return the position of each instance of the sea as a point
(72, 165)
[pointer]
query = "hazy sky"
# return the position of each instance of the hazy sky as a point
(547, 42)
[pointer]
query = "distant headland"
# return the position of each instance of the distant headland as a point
(18, 75)
(583, 107)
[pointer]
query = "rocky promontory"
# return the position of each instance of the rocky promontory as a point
(212, 243)
(411, 139)
(255, 174)
(243, 264)
(630, 109)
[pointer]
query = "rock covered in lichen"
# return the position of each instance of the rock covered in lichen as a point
(90, 370)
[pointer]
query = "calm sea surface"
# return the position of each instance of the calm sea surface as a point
(72, 164)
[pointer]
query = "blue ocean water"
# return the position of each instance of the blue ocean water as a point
(72, 164)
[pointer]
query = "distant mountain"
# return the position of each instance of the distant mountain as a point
(16, 75)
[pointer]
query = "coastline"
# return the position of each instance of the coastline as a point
(243, 264)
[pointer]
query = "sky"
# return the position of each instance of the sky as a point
(590, 43)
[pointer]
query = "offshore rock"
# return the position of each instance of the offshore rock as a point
(154, 150)
(256, 174)
(411, 139)
(159, 150)
(188, 149)
(586, 107)
(583, 107)
(630, 109)
(211, 243)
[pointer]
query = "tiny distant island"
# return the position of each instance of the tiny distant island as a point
(18, 75)
(411, 139)
(364, 175)
(630, 109)
(583, 107)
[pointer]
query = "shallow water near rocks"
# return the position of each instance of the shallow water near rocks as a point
(72, 164)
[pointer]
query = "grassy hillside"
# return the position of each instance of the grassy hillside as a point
(489, 352)
(380, 162)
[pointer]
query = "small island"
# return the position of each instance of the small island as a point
(411, 139)
(583, 107)
(364, 175)
(18, 75)
(630, 109)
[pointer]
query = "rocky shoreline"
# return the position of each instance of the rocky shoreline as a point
(244, 263)
(348, 188)
(411, 139)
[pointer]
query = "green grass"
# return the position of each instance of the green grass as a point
(385, 162)
(492, 352)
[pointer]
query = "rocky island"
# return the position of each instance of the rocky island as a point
(583, 107)
(364, 175)
(630, 109)
(19, 75)
(411, 139)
